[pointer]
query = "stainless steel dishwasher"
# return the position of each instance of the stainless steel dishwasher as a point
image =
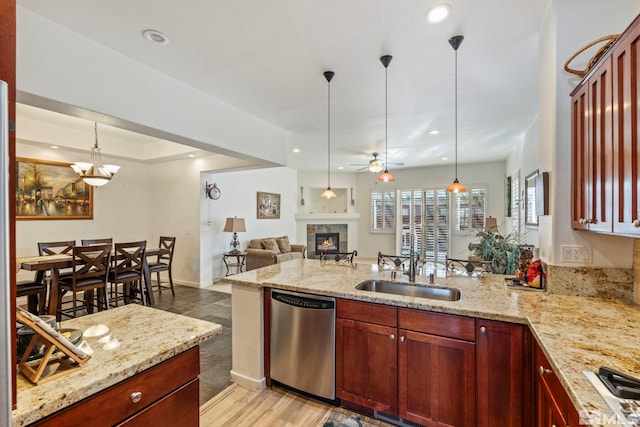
(303, 342)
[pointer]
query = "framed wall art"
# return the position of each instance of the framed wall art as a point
(268, 206)
(48, 190)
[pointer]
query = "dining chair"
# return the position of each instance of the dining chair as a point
(36, 294)
(90, 272)
(164, 262)
(128, 270)
(86, 242)
(54, 248)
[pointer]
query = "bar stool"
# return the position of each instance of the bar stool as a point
(128, 270)
(36, 294)
(164, 262)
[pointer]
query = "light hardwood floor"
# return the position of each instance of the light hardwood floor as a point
(236, 406)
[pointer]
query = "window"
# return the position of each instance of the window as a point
(383, 211)
(425, 216)
(470, 209)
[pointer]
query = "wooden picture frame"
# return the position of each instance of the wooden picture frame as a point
(47, 190)
(267, 206)
(530, 199)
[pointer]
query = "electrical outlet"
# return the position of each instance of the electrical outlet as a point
(576, 253)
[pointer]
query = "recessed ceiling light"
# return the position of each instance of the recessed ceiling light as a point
(55, 147)
(445, 158)
(437, 13)
(296, 150)
(340, 167)
(192, 155)
(155, 37)
(434, 132)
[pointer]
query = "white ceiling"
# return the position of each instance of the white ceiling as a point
(267, 58)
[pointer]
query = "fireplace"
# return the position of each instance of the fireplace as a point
(327, 242)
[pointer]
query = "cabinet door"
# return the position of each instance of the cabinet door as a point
(367, 365)
(548, 413)
(500, 374)
(626, 96)
(436, 380)
(580, 186)
(600, 155)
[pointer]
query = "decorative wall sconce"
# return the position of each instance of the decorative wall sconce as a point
(212, 191)
(353, 201)
(301, 196)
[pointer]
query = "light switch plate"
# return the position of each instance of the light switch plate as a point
(576, 253)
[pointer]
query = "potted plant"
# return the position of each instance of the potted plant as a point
(502, 251)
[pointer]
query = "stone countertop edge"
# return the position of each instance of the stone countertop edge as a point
(147, 337)
(576, 334)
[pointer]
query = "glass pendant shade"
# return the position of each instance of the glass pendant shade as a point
(386, 177)
(95, 173)
(456, 187)
(328, 194)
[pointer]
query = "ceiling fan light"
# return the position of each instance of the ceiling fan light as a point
(456, 187)
(386, 177)
(328, 194)
(376, 165)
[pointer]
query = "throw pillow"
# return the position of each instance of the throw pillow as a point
(283, 244)
(271, 245)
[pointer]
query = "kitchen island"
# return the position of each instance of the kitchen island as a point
(139, 338)
(576, 334)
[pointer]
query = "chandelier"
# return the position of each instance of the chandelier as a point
(95, 173)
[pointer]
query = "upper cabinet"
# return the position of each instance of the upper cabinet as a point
(604, 140)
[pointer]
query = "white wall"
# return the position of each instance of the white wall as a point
(314, 183)
(121, 208)
(239, 199)
(580, 22)
(490, 175)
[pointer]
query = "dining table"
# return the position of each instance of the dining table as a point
(57, 262)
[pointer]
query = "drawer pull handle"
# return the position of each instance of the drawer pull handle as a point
(544, 371)
(483, 330)
(136, 396)
(392, 336)
(636, 223)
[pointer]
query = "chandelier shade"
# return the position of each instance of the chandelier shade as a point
(95, 173)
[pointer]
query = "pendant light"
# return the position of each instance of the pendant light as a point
(386, 176)
(328, 193)
(456, 187)
(95, 173)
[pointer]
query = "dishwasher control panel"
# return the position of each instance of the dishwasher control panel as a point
(303, 302)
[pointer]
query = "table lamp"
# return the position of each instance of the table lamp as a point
(234, 225)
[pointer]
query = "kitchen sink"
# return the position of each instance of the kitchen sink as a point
(432, 292)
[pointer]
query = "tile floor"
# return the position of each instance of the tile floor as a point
(215, 354)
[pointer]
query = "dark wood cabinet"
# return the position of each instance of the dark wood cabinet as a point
(501, 364)
(626, 133)
(436, 381)
(605, 141)
(553, 407)
(164, 395)
(592, 152)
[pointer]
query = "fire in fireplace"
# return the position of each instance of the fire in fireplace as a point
(327, 242)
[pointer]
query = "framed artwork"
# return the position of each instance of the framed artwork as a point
(268, 206)
(51, 190)
(530, 198)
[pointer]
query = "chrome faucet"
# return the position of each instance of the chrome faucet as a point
(412, 266)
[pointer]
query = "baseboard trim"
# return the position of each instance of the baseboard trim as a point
(248, 383)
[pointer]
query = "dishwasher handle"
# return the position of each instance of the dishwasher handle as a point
(314, 303)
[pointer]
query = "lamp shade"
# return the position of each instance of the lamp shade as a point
(235, 225)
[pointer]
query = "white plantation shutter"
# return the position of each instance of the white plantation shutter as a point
(382, 211)
(470, 209)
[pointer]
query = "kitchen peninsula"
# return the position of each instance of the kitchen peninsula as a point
(146, 351)
(575, 334)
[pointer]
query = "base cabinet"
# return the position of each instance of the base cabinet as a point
(165, 395)
(553, 407)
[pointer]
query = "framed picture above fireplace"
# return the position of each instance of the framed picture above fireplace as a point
(268, 206)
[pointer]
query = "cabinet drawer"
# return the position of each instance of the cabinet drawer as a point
(548, 377)
(367, 312)
(444, 325)
(115, 403)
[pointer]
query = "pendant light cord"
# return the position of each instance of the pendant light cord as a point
(329, 134)
(456, 114)
(386, 119)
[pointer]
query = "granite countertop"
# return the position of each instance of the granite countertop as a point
(147, 337)
(576, 333)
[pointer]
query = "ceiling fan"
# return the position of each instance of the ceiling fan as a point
(375, 165)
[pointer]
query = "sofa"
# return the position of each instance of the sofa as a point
(272, 250)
